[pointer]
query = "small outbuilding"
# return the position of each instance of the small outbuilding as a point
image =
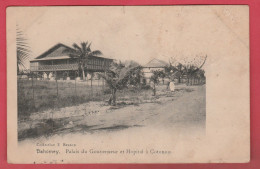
(154, 64)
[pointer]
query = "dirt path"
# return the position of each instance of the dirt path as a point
(187, 110)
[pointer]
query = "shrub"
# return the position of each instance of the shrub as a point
(107, 91)
(146, 87)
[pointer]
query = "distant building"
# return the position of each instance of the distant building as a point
(154, 64)
(57, 62)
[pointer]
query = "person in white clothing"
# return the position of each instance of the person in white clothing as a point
(172, 86)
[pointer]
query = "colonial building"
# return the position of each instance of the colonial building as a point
(57, 62)
(154, 64)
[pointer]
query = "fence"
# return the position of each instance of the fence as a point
(191, 81)
(195, 81)
(35, 94)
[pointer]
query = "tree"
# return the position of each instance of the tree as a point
(22, 50)
(190, 69)
(162, 75)
(155, 79)
(83, 53)
(137, 75)
(194, 72)
(117, 77)
(193, 68)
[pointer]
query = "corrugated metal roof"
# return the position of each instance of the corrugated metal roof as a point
(156, 63)
(59, 51)
(53, 58)
(56, 51)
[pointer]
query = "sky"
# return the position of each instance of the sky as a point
(135, 33)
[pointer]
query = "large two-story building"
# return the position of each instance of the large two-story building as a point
(57, 62)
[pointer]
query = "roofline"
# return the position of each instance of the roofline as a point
(161, 61)
(38, 60)
(153, 67)
(35, 60)
(52, 49)
(103, 57)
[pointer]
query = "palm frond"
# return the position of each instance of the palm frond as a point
(95, 53)
(109, 79)
(22, 49)
(75, 46)
(84, 47)
(21, 39)
(73, 53)
(88, 48)
(125, 72)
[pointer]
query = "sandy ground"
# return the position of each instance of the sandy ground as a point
(183, 110)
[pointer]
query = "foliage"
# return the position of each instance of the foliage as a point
(136, 76)
(83, 53)
(146, 87)
(177, 71)
(155, 78)
(22, 49)
(190, 70)
(117, 78)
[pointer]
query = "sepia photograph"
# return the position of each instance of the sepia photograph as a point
(128, 84)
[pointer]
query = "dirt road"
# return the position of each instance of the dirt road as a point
(183, 109)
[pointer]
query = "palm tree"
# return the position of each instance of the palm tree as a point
(83, 53)
(137, 75)
(22, 50)
(189, 69)
(117, 77)
(192, 69)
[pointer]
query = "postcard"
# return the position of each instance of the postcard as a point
(128, 84)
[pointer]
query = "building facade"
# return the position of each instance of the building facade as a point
(57, 62)
(154, 64)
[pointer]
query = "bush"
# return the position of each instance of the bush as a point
(144, 81)
(107, 91)
(146, 87)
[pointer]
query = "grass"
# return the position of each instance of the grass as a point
(43, 95)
